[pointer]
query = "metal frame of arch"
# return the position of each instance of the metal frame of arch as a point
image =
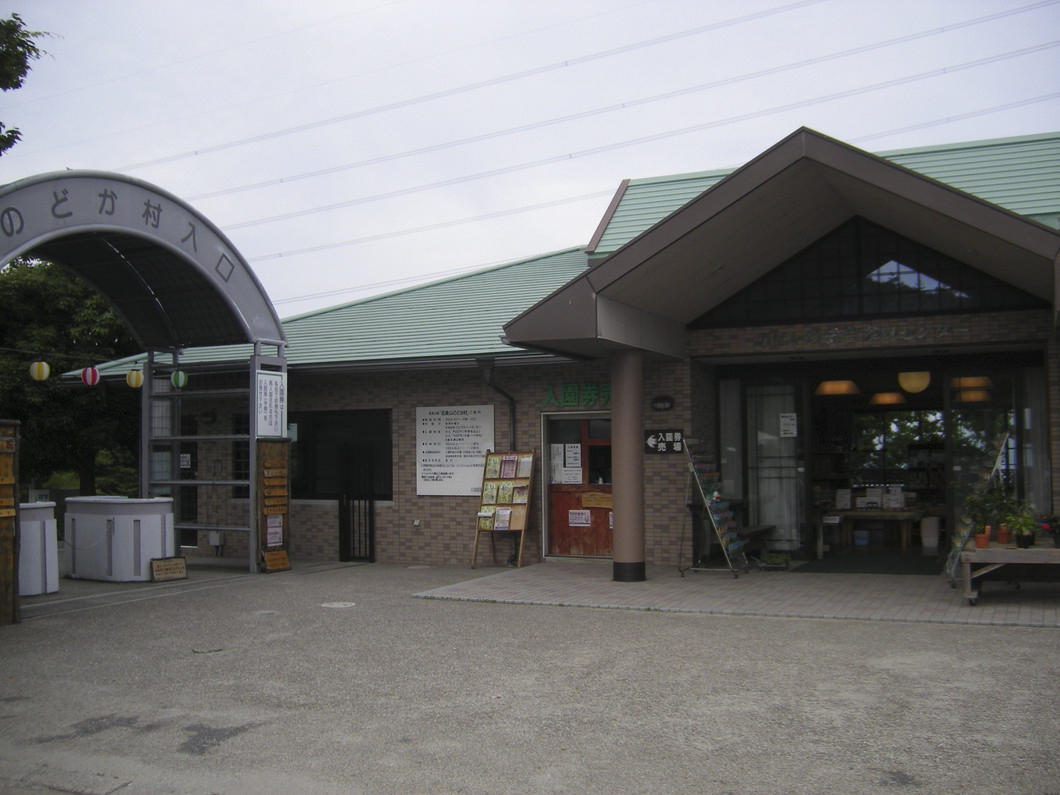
(168, 271)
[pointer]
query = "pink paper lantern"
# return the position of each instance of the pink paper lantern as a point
(90, 376)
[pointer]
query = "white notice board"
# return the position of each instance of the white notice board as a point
(272, 404)
(451, 445)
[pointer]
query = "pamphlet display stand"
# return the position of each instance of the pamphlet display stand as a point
(719, 521)
(507, 479)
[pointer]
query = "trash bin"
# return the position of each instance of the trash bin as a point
(38, 556)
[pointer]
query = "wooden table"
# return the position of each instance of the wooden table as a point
(904, 519)
(995, 556)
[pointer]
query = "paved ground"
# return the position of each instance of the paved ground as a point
(333, 678)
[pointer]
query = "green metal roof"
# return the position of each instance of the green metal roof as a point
(462, 317)
(457, 318)
(1020, 174)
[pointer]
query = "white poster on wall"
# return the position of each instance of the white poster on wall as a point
(272, 404)
(451, 445)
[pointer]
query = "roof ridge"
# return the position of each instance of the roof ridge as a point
(979, 144)
(886, 154)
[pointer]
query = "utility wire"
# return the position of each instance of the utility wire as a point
(431, 227)
(619, 106)
(472, 219)
(493, 81)
(646, 138)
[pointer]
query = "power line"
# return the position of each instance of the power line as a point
(959, 117)
(513, 211)
(619, 106)
(493, 81)
(431, 227)
(646, 138)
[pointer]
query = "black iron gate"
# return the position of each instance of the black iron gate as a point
(357, 506)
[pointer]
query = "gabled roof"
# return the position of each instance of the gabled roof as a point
(456, 318)
(643, 295)
(1021, 174)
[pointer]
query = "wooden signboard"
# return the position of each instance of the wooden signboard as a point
(507, 481)
(166, 569)
(9, 442)
(273, 502)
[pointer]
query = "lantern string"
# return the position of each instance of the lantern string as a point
(77, 357)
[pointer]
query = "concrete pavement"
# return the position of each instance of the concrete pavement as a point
(332, 678)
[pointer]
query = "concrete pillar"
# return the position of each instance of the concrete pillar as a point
(627, 466)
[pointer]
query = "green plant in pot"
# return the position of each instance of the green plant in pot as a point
(988, 506)
(1023, 524)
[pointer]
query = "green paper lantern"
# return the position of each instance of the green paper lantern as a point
(179, 379)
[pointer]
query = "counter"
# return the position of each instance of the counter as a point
(115, 538)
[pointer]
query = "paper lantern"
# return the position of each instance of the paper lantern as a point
(90, 376)
(39, 371)
(179, 379)
(134, 378)
(914, 382)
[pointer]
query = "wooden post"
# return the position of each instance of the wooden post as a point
(9, 546)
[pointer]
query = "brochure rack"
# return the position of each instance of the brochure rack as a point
(719, 520)
(507, 479)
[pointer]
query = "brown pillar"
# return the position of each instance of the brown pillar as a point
(627, 466)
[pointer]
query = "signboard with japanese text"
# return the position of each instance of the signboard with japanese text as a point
(451, 445)
(273, 502)
(272, 404)
(9, 443)
(592, 395)
(669, 441)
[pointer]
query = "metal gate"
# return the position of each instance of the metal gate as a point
(357, 505)
(357, 529)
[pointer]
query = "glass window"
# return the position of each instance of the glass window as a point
(863, 269)
(342, 452)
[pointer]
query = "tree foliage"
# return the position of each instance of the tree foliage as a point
(18, 48)
(47, 314)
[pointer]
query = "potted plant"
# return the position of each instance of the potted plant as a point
(987, 507)
(1023, 525)
(1050, 526)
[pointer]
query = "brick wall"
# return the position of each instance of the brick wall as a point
(446, 524)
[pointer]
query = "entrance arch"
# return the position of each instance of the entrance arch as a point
(170, 272)
(178, 283)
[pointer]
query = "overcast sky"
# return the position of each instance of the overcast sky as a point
(355, 147)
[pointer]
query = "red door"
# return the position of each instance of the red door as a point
(579, 491)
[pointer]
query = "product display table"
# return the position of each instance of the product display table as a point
(995, 556)
(904, 520)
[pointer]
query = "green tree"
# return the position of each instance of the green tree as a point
(48, 314)
(17, 49)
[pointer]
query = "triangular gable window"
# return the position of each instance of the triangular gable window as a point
(861, 269)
